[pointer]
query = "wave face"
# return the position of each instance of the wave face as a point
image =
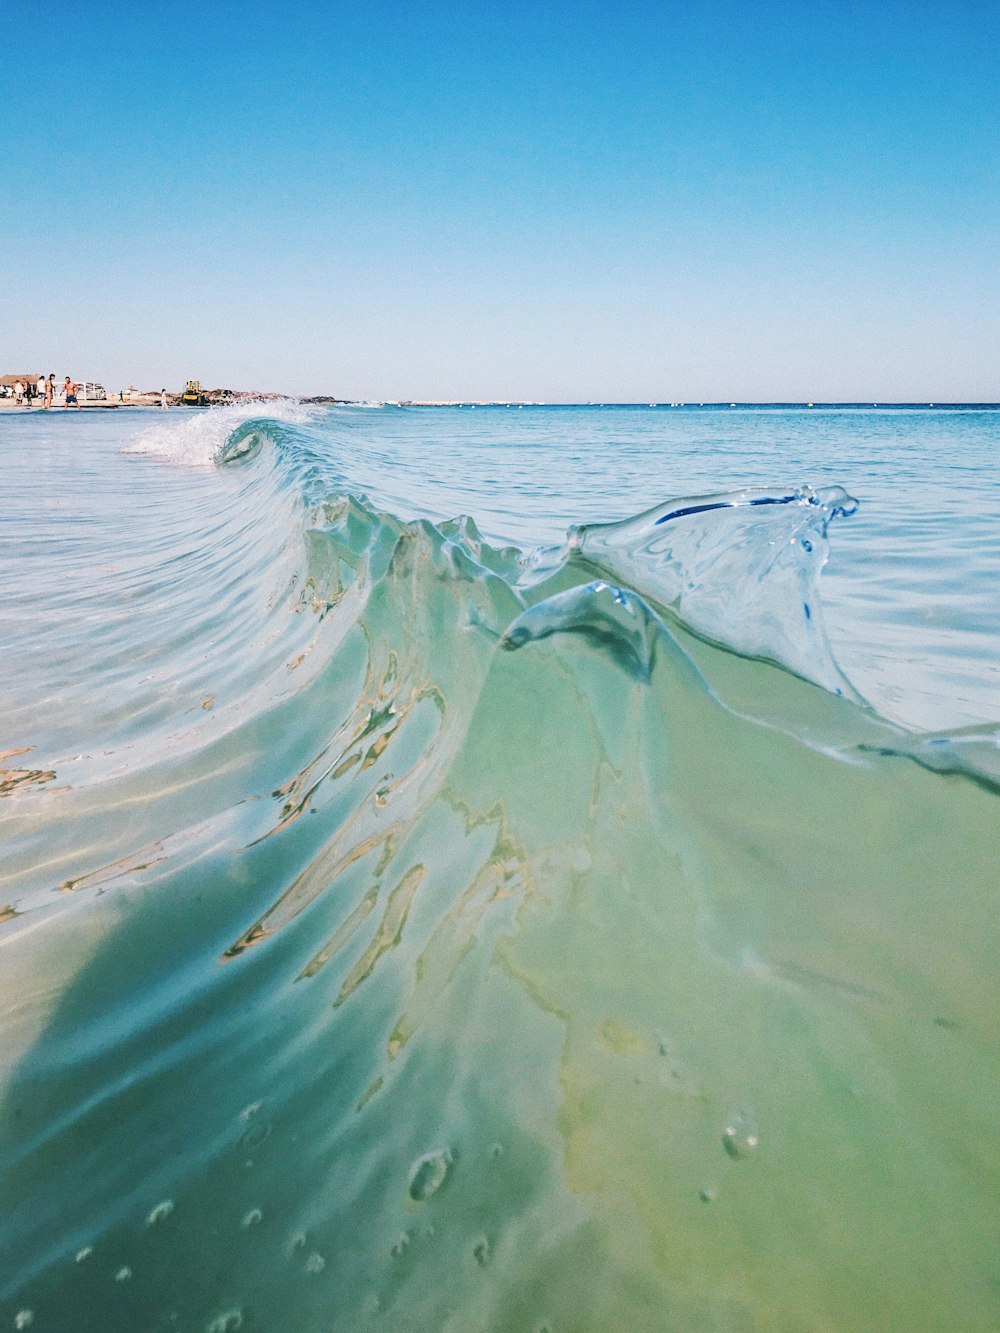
(411, 931)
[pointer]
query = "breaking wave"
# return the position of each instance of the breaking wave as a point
(443, 935)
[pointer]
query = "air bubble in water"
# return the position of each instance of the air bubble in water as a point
(707, 1195)
(428, 1174)
(85, 1253)
(401, 1245)
(315, 1263)
(252, 1219)
(161, 1211)
(256, 1134)
(227, 1322)
(123, 1274)
(249, 1111)
(739, 1138)
(24, 1318)
(496, 1151)
(481, 1251)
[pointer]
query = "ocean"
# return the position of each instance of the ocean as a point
(500, 869)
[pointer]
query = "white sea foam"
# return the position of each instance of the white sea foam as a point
(194, 438)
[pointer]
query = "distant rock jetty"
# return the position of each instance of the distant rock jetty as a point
(132, 397)
(221, 397)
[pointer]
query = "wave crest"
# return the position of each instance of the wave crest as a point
(194, 437)
(740, 568)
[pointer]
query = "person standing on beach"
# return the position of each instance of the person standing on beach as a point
(18, 392)
(163, 397)
(69, 389)
(40, 389)
(50, 389)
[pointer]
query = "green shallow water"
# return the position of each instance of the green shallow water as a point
(424, 981)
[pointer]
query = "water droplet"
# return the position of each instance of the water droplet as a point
(161, 1211)
(401, 1245)
(428, 1174)
(85, 1253)
(481, 1251)
(227, 1322)
(252, 1219)
(123, 1274)
(739, 1138)
(24, 1318)
(315, 1263)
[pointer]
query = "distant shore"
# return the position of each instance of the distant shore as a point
(149, 399)
(227, 397)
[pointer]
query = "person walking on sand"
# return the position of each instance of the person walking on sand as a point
(69, 388)
(50, 389)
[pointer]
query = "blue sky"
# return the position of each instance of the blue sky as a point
(552, 201)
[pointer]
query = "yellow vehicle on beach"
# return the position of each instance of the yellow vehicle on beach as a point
(192, 395)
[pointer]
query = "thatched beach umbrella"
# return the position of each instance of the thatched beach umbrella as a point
(11, 380)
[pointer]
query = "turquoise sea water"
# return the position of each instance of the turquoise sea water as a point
(465, 869)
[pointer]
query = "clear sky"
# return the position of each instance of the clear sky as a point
(577, 201)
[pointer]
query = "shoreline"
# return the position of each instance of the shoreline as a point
(8, 405)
